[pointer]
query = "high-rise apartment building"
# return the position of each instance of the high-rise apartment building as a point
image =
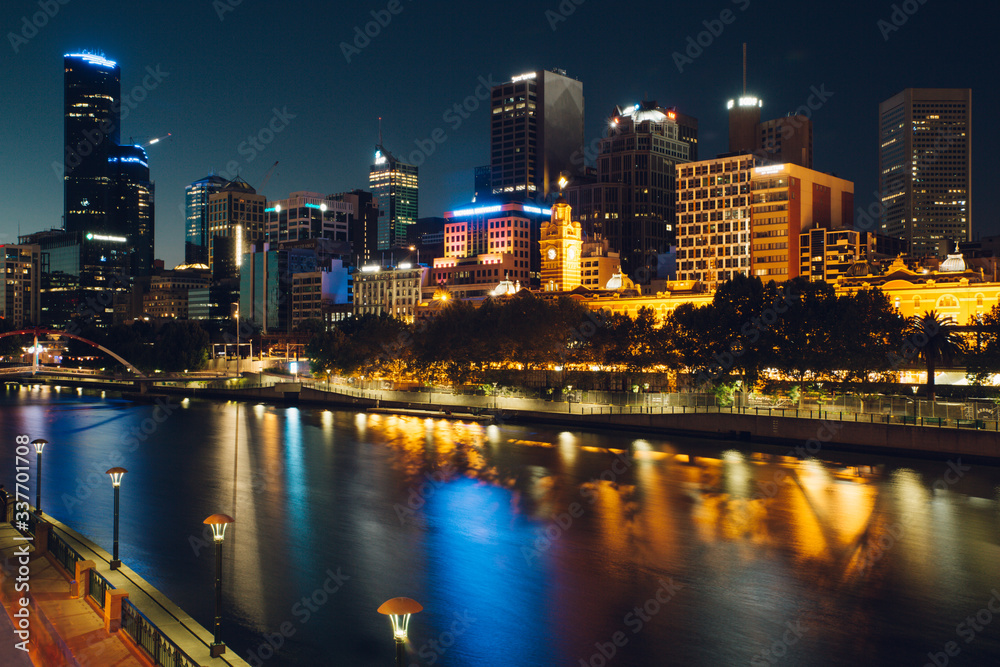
(925, 168)
(395, 186)
(20, 285)
(235, 222)
(536, 127)
(632, 204)
(196, 217)
(713, 219)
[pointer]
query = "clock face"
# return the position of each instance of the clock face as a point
(552, 253)
(571, 253)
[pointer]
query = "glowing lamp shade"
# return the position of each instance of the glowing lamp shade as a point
(39, 445)
(218, 522)
(398, 610)
(116, 476)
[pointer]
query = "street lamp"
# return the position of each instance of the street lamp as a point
(237, 340)
(412, 248)
(218, 522)
(116, 481)
(39, 446)
(398, 610)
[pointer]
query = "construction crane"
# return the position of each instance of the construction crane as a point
(155, 140)
(267, 175)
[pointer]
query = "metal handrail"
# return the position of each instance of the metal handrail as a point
(158, 646)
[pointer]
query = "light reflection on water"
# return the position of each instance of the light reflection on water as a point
(526, 545)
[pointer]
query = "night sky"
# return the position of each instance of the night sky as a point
(223, 79)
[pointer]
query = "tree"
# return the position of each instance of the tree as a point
(180, 345)
(935, 340)
(984, 360)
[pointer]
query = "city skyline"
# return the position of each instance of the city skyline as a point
(213, 98)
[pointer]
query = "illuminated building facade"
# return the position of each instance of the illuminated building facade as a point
(561, 244)
(925, 168)
(20, 284)
(827, 254)
(235, 222)
(713, 219)
(598, 264)
(92, 130)
(196, 217)
(308, 215)
(266, 282)
(169, 292)
(314, 292)
(536, 127)
(785, 200)
(392, 291)
(632, 204)
(512, 228)
(107, 190)
(135, 198)
(362, 226)
(470, 277)
(395, 186)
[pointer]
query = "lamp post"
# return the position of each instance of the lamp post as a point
(398, 610)
(39, 446)
(116, 481)
(237, 341)
(218, 522)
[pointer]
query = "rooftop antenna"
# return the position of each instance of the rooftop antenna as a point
(380, 131)
(744, 69)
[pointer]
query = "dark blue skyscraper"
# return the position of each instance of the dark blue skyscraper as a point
(92, 125)
(196, 217)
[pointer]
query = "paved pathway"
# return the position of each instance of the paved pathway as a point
(64, 631)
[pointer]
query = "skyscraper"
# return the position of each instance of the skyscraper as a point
(395, 186)
(134, 206)
(107, 191)
(235, 221)
(196, 217)
(633, 203)
(536, 129)
(925, 167)
(744, 117)
(92, 125)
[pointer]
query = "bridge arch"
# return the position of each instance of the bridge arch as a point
(57, 333)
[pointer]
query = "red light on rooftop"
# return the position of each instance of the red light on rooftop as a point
(672, 115)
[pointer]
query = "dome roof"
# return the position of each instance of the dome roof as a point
(953, 263)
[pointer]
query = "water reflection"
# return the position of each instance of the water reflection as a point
(541, 540)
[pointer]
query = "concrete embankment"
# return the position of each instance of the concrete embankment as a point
(802, 434)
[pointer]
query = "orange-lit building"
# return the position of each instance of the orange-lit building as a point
(788, 199)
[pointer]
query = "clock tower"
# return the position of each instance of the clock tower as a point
(561, 241)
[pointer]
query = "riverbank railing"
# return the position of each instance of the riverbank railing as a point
(162, 651)
(144, 633)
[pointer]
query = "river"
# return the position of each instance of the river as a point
(526, 545)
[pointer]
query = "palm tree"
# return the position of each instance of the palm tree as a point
(935, 339)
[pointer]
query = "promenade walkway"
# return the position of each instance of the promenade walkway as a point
(72, 631)
(63, 631)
